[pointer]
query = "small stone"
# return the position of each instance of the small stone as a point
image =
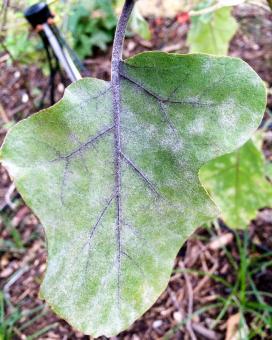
(25, 98)
(157, 323)
(135, 337)
(131, 46)
(178, 316)
(6, 272)
(17, 74)
(61, 88)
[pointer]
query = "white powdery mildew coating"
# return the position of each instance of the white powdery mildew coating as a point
(72, 287)
(147, 291)
(172, 142)
(249, 77)
(204, 155)
(82, 276)
(207, 65)
(197, 126)
(54, 264)
(228, 116)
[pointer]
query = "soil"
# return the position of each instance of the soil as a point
(23, 252)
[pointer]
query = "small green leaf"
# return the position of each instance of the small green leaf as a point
(268, 171)
(238, 185)
(139, 25)
(211, 33)
(116, 218)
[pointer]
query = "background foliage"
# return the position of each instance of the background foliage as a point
(238, 184)
(211, 32)
(85, 24)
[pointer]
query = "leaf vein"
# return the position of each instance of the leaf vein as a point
(141, 174)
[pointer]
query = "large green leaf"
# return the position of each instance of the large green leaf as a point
(111, 247)
(238, 185)
(211, 33)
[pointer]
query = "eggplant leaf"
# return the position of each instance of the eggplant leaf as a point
(111, 243)
(237, 183)
(211, 33)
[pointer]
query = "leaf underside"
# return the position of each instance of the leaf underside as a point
(178, 112)
(238, 185)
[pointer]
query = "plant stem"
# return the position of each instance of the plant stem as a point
(120, 35)
(116, 108)
(270, 4)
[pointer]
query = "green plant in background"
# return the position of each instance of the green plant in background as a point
(237, 183)
(16, 242)
(242, 299)
(20, 47)
(17, 322)
(7, 323)
(92, 24)
(211, 32)
(139, 25)
(85, 24)
(16, 38)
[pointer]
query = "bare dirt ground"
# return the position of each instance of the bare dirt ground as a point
(22, 247)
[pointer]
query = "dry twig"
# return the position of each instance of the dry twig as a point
(190, 302)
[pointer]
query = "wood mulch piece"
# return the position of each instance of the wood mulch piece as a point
(23, 251)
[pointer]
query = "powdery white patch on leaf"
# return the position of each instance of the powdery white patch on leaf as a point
(197, 126)
(102, 276)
